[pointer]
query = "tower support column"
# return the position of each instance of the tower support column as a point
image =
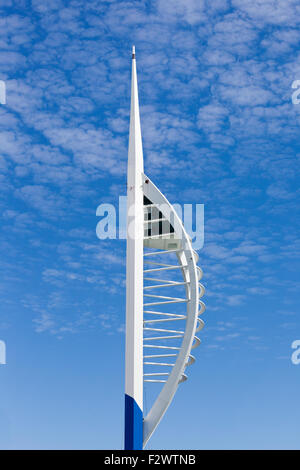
(134, 278)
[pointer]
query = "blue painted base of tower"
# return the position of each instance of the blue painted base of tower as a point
(133, 425)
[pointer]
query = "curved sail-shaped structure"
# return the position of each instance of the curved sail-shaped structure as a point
(161, 324)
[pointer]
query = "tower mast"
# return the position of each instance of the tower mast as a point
(134, 277)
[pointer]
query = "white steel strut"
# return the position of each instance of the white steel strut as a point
(160, 262)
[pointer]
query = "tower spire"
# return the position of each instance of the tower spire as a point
(135, 151)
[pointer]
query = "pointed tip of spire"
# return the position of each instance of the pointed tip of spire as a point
(133, 52)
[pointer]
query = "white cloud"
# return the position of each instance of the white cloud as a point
(212, 117)
(270, 11)
(246, 96)
(235, 300)
(191, 11)
(41, 198)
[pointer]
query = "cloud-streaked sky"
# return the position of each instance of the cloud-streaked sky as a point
(215, 84)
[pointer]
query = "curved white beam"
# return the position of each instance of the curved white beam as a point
(187, 263)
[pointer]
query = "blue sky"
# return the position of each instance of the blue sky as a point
(218, 121)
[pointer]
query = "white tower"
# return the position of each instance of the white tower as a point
(155, 353)
(134, 277)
